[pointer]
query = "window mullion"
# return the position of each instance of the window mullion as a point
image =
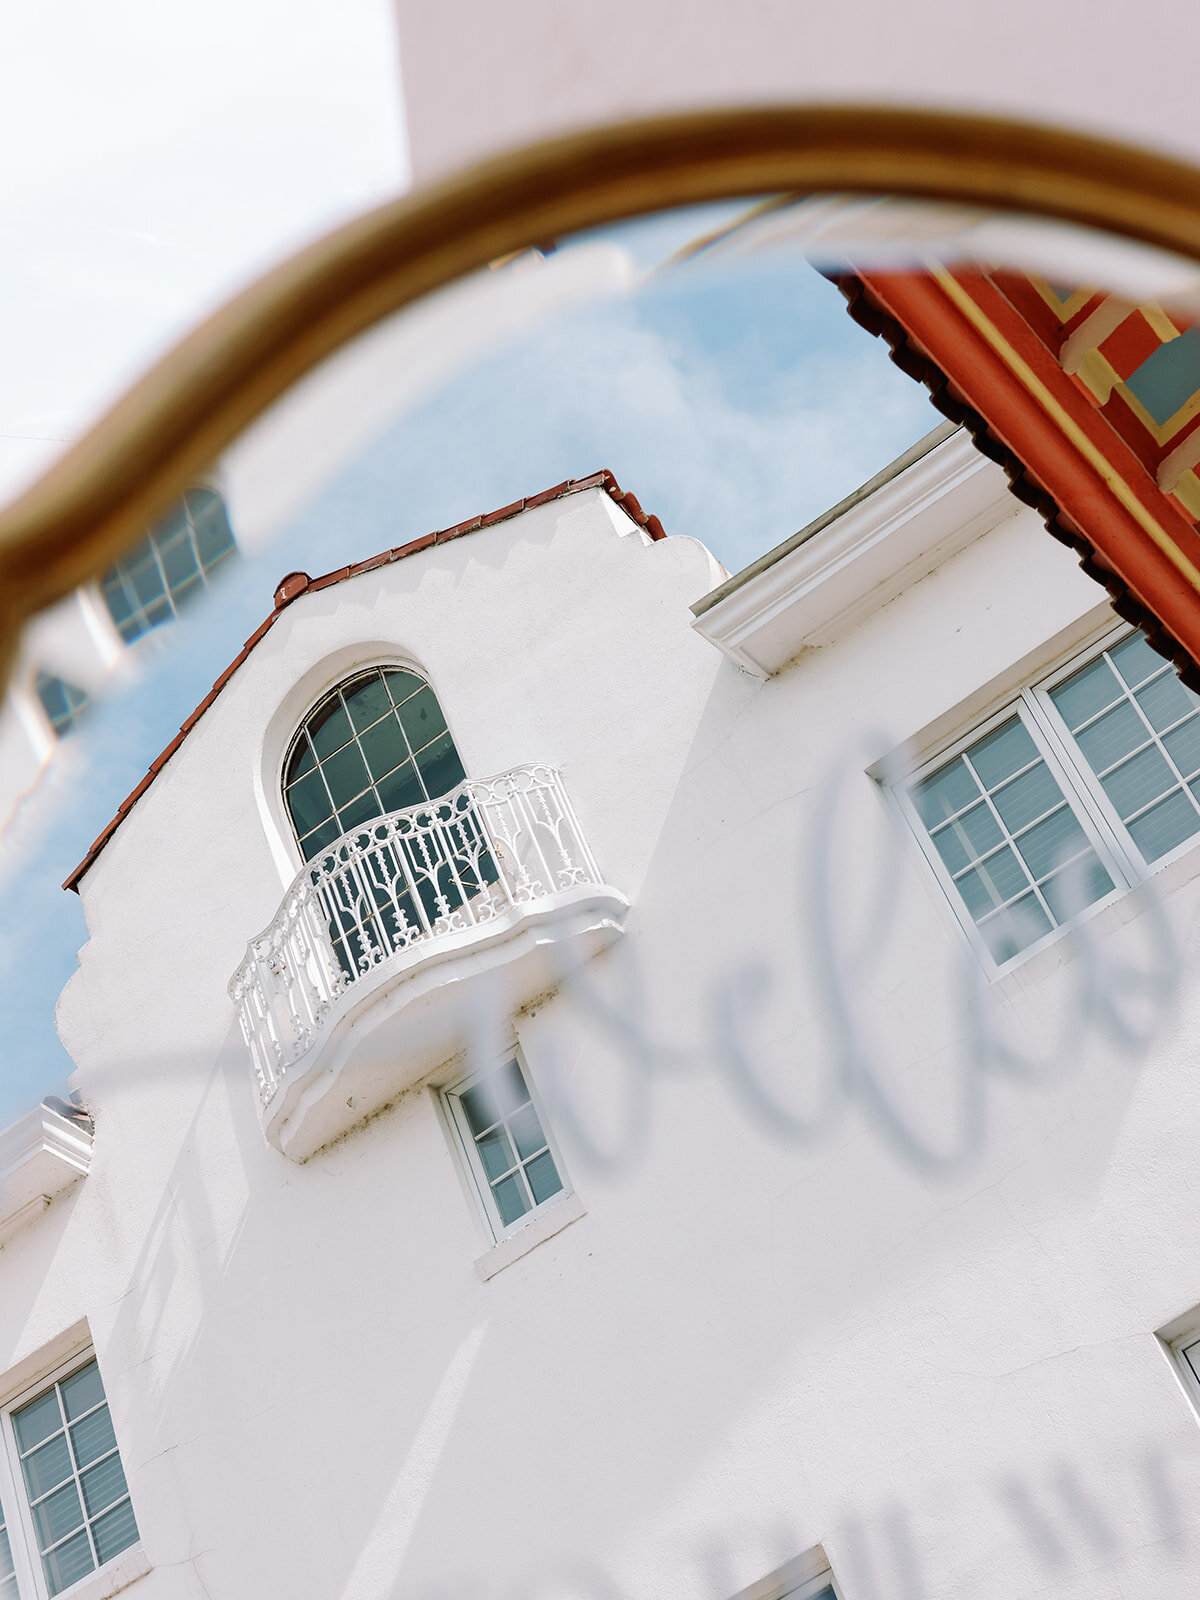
(1079, 787)
(1009, 842)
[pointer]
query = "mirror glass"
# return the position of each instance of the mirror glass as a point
(686, 723)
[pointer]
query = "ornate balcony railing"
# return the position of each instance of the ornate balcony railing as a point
(404, 882)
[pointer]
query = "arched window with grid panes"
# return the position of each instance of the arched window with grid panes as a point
(377, 743)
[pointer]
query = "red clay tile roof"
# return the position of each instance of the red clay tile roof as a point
(298, 583)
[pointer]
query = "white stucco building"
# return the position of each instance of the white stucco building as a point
(645, 1163)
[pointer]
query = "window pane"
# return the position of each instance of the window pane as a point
(329, 728)
(57, 1515)
(968, 837)
(421, 719)
(511, 1090)
(367, 701)
(302, 760)
(82, 1390)
(496, 1153)
(526, 1131)
(115, 1531)
(401, 789)
(320, 839)
(363, 810)
(1164, 826)
(1027, 798)
(949, 790)
(48, 1466)
(1051, 843)
(214, 536)
(1165, 701)
(440, 768)
(401, 685)
(308, 802)
(1002, 753)
(510, 1200)
(1086, 693)
(68, 1563)
(37, 1421)
(1014, 928)
(1112, 736)
(102, 1485)
(1183, 746)
(384, 747)
(543, 1177)
(93, 1437)
(142, 572)
(178, 560)
(479, 1108)
(993, 882)
(1138, 781)
(1076, 887)
(1135, 660)
(346, 774)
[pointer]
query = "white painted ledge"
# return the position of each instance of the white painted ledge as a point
(41, 1156)
(929, 504)
(540, 1228)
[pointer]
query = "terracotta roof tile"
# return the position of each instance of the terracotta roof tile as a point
(295, 584)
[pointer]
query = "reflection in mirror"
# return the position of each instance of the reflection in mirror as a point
(655, 798)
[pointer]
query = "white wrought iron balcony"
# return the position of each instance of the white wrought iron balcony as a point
(349, 996)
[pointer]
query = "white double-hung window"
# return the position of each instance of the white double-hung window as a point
(502, 1136)
(1066, 797)
(64, 1503)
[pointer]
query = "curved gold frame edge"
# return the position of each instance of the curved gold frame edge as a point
(175, 422)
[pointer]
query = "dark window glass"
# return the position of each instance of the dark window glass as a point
(1139, 731)
(378, 743)
(61, 701)
(77, 1492)
(175, 561)
(1013, 846)
(504, 1126)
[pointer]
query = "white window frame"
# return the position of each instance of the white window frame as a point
(800, 1579)
(14, 1496)
(466, 1152)
(1093, 810)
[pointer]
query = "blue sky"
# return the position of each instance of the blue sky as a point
(737, 403)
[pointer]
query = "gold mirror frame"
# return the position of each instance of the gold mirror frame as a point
(170, 427)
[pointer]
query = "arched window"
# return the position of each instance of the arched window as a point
(377, 743)
(175, 561)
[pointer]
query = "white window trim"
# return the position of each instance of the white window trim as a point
(534, 1221)
(1093, 810)
(798, 1579)
(1173, 1340)
(123, 1569)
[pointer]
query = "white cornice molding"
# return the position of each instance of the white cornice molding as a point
(893, 532)
(40, 1156)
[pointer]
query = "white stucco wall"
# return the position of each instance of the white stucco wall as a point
(747, 1345)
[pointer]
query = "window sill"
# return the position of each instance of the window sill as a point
(120, 1573)
(542, 1227)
